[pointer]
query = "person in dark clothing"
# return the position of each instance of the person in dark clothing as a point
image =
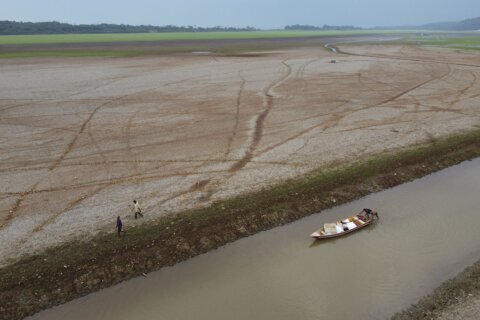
(369, 213)
(119, 225)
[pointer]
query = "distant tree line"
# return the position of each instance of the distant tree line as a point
(17, 28)
(467, 24)
(305, 27)
(464, 25)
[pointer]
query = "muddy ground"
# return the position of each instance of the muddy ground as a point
(81, 138)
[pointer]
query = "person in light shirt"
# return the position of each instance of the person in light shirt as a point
(136, 209)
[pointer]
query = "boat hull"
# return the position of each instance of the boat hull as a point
(318, 235)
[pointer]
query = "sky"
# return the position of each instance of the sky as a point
(265, 14)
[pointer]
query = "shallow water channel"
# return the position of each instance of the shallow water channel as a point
(428, 231)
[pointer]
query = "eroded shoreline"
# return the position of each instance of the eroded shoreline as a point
(447, 299)
(77, 268)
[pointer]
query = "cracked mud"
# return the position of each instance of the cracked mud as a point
(81, 138)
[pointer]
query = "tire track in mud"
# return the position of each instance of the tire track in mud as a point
(96, 146)
(342, 102)
(256, 135)
(259, 122)
(457, 97)
(134, 177)
(108, 183)
(18, 202)
(51, 218)
(37, 103)
(128, 139)
(67, 150)
(200, 185)
(137, 177)
(337, 50)
(397, 119)
(86, 126)
(128, 130)
(362, 78)
(219, 133)
(14, 106)
(335, 118)
(101, 184)
(407, 91)
(300, 74)
(238, 103)
(463, 92)
(163, 162)
(13, 211)
(69, 147)
(72, 142)
(196, 187)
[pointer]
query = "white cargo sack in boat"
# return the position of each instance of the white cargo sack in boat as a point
(351, 225)
(330, 228)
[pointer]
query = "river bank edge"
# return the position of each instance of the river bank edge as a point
(451, 294)
(77, 268)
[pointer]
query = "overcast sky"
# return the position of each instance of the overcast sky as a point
(238, 13)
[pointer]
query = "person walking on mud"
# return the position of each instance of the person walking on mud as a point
(136, 209)
(119, 225)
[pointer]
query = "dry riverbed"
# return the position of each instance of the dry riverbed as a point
(81, 138)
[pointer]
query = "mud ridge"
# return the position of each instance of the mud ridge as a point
(259, 122)
(238, 102)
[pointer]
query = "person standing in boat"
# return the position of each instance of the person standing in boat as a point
(369, 213)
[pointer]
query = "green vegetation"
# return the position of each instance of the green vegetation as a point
(449, 41)
(76, 268)
(129, 37)
(53, 27)
(325, 27)
(67, 54)
(140, 44)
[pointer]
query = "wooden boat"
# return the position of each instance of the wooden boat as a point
(342, 227)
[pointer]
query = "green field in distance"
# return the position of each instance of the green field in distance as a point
(469, 42)
(127, 37)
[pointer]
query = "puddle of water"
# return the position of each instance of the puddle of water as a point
(427, 232)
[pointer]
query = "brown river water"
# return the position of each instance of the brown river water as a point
(428, 231)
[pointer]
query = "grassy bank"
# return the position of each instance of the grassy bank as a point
(77, 268)
(450, 293)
